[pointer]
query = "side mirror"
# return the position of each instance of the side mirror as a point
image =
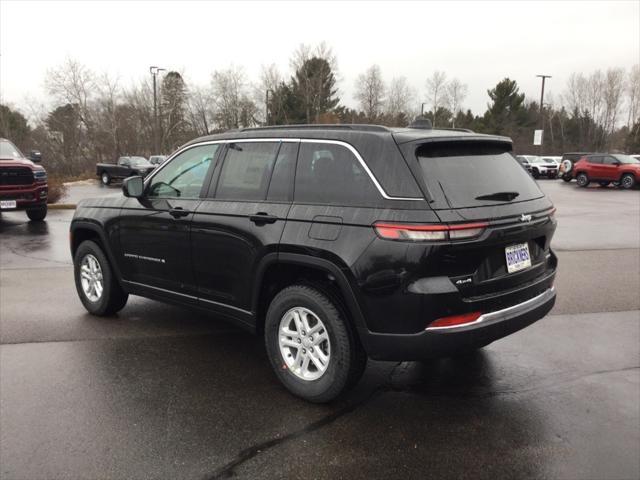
(35, 156)
(133, 187)
(616, 163)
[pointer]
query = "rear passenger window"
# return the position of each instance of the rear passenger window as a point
(596, 159)
(281, 185)
(331, 174)
(246, 171)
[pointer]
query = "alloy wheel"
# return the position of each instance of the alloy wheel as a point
(304, 343)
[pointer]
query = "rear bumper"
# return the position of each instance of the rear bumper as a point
(28, 196)
(445, 341)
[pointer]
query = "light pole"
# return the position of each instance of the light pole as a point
(422, 109)
(154, 73)
(266, 105)
(543, 77)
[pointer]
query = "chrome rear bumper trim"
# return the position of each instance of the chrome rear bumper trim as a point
(504, 314)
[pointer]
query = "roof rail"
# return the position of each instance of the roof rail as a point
(467, 130)
(322, 126)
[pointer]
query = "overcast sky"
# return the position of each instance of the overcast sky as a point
(478, 42)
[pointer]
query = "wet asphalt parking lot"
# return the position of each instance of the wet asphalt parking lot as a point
(164, 392)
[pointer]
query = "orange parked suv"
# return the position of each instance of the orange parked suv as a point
(606, 168)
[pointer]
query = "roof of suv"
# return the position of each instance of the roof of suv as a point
(347, 132)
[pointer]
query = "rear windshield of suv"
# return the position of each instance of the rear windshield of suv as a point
(474, 174)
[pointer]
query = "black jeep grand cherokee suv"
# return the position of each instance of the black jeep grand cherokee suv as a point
(336, 243)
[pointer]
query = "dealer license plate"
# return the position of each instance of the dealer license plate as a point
(6, 204)
(518, 257)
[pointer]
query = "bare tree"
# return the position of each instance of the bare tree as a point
(370, 91)
(400, 99)
(633, 95)
(456, 93)
(612, 93)
(270, 80)
(234, 108)
(201, 109)
(436, 92)
(73, 83)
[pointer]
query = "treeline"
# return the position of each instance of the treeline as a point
(95, 118)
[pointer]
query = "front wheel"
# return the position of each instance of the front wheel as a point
(535, 173)
(96, 284)
(627, 181)
(582, 180)
(311, 346)
(105, 178)
(566, 178)
(37, 214)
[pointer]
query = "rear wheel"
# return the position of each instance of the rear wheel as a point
(582, 180)
(37, 214)
(311, 346)
(96, 284)
(105, 178)
(604, 184)
(627, 181)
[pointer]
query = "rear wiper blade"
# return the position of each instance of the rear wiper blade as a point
(499, 196)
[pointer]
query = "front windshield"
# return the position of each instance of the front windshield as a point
(626, 158)
(139, 161)
(8, 151)
(536, 160)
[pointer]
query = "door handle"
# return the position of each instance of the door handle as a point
(261, 218)
(178, 212)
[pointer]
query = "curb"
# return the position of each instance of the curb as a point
(61, 206)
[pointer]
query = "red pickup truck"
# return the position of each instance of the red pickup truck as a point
(23, 184)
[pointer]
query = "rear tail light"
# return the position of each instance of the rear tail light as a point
(417, 233)
(454, 321)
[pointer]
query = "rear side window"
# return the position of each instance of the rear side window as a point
(472, 174)
(595, 159)
(331, 174)
(246, 171)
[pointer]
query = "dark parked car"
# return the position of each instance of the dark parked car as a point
(123, 168)
(336, 243)
(607, 168)
(567, 162)
(23, 183)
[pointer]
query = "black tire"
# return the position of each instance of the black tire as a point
(105, 178)
(604, 184)
(627, 181)
(113, 298)
(37, 214)
(582, 180)
(567, 178)
(347, 360)
(535, 173)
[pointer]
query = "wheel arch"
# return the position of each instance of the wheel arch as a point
(82, 231)
(279, 270)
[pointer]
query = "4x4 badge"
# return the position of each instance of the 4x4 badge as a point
(525, 218)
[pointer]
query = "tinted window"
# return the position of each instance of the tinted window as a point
(246, 171)
(331, 174)
(184, 175)
(9, 150)
(471, 174)
(281, 184)
(594, 159)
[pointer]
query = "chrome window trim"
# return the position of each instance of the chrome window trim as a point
(500, 315)
(350, 147)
